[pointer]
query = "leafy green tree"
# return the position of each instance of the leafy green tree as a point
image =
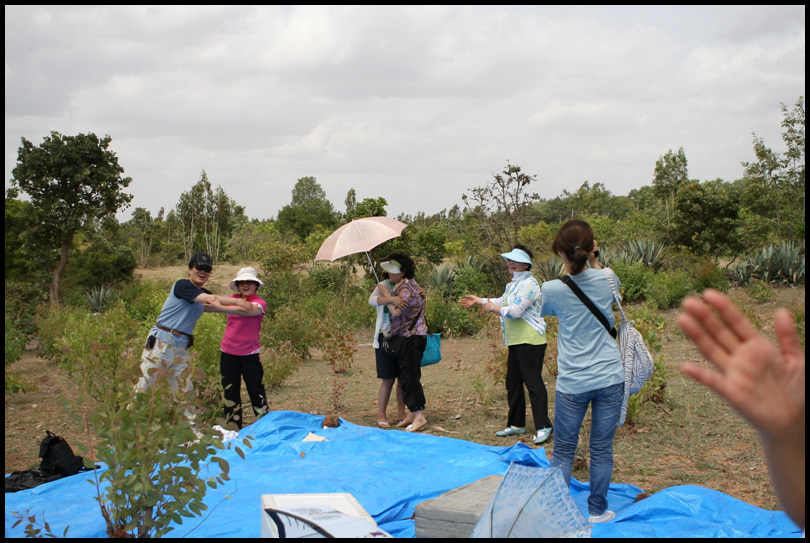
(22, 255)
(351, 202)
(308, 208)
(775, 184)
(596, 200)
(102, 262)
(207, 216)
(706, 219)
(430, 244)
(71, 180)
(670, 175)
(144, 233)
(644, 199)
(368, 207)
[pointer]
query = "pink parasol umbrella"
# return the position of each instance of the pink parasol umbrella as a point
(359, 236)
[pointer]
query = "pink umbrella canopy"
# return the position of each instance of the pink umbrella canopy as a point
(359, 236)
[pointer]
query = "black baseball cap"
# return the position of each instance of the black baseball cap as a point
(201, 261)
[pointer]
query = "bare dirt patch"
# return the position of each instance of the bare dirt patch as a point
(692, 438)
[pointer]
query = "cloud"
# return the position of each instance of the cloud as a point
(415, 103)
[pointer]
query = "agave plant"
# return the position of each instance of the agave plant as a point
(550, 268)
(779, 263)
(741, 273)
(611, 257)
(99, 298)
(473, 261)
(646, 251)
(441, 279)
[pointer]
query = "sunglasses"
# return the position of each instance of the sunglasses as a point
(205, 269)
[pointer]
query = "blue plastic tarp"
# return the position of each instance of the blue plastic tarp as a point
(389, 472)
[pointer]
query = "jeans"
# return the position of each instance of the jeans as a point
(569, 410)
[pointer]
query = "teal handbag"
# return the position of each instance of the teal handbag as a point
(433, 350)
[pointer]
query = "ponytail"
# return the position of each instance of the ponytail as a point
(575, 241)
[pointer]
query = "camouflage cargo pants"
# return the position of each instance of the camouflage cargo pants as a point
(166, 361)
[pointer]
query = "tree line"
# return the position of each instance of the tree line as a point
(67, 227)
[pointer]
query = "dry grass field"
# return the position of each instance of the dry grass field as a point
(691, 438)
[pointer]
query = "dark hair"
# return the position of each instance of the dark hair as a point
(406, 264)
(575, 240)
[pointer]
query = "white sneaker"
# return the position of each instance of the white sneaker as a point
(604, 517)
(227, 435)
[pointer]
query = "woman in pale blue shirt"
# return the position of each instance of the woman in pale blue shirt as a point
(589, 364)
(524, 335)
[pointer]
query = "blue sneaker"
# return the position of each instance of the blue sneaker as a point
(542, 435)
(510, 431)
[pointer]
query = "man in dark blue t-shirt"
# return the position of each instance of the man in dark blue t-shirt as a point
(167, 348)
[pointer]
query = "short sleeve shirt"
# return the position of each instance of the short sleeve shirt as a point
(180, 312)
(241, 335)
(401, 325)
(587, 355)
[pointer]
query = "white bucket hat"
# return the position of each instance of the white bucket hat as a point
(518, 255)
(246, 274)
(391, 266)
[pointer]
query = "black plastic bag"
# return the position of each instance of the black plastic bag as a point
(23, 480)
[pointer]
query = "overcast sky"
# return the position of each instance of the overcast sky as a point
(417, 104)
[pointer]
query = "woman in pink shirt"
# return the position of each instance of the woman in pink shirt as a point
(240, 350)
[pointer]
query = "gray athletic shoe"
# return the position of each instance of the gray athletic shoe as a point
(604, 517)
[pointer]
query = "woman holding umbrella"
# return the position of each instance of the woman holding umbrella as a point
(409, 334)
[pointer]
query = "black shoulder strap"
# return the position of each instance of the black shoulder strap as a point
(589, 304)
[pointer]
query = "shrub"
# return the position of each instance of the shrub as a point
(761, 291)
(95, 350)
(154, 463)
(296, 326)
(782, 263)
(15, 341)
(471, 280)
(635, 279)
(23, 300)
(279, 363)
(143, 300)
(441, 280)
(281, 289)
(51, 326)
(741, 273)
(709, 275)
(15, 344)
(102, 263)
(449, 317)
(651, 323)
(204, 360)
(336, 339)
(328, 277)
(668, 288)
